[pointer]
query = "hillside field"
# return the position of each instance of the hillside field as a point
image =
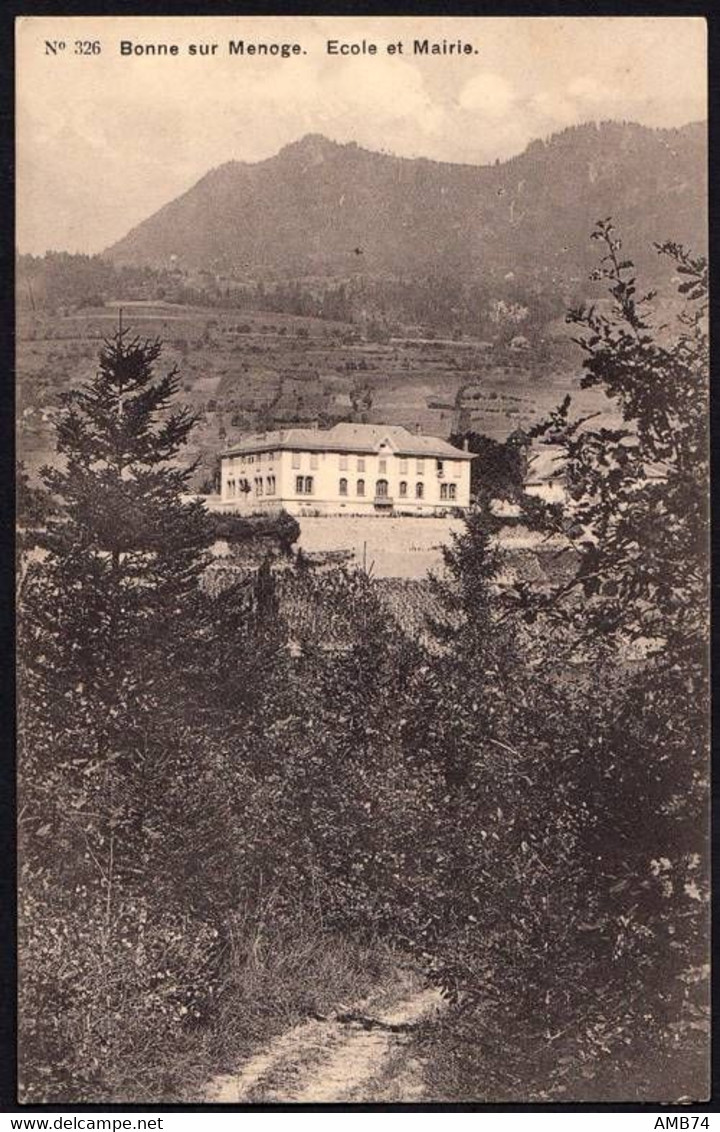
(244, 371)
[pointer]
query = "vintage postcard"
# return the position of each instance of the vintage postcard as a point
(362, 573)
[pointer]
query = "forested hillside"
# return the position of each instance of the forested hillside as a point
(323, 209)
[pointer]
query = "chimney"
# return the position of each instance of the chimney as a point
(466, 445)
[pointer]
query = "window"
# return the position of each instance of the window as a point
(259, 457)
(443, 491)
(440, 468)
(452, 491)
(299, 485)
(419, 467)
(343, 463)
(418, 491)
(270, 485)
(296, 459)
(361, 486)
(259, 486)
(382, 464)
(343, 487)
(231, 487)
(403, 467)
(403, 488)
(308, 485)
(313, 459)
(381, 489)
(361, 464)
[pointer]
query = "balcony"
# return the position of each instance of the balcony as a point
(383, 501)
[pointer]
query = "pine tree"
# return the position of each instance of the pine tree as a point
(110, 614)
(109, 753)
(32, 509)
(124, 552)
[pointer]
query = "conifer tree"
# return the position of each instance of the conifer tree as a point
(124, 552)
(108, 617)
(126, 832)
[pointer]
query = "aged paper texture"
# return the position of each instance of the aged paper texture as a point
(362, 574)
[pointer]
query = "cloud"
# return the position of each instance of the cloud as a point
(552, 110)
(488, 93)
(588, 89)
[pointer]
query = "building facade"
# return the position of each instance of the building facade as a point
(351, 468)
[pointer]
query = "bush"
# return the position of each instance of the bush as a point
(573, 916)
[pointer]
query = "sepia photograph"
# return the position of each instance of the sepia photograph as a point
(362, 567)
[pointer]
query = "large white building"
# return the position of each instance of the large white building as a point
(352, 468)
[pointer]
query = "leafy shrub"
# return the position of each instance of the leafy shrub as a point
(573, 917)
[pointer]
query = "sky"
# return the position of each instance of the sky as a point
(104, 140)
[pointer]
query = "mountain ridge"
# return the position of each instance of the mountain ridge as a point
(327, 208)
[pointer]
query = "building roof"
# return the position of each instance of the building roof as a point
(546, 464)
(347, 437)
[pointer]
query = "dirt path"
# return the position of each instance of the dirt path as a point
(358, 1055)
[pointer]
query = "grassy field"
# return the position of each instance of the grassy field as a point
(243, 371)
